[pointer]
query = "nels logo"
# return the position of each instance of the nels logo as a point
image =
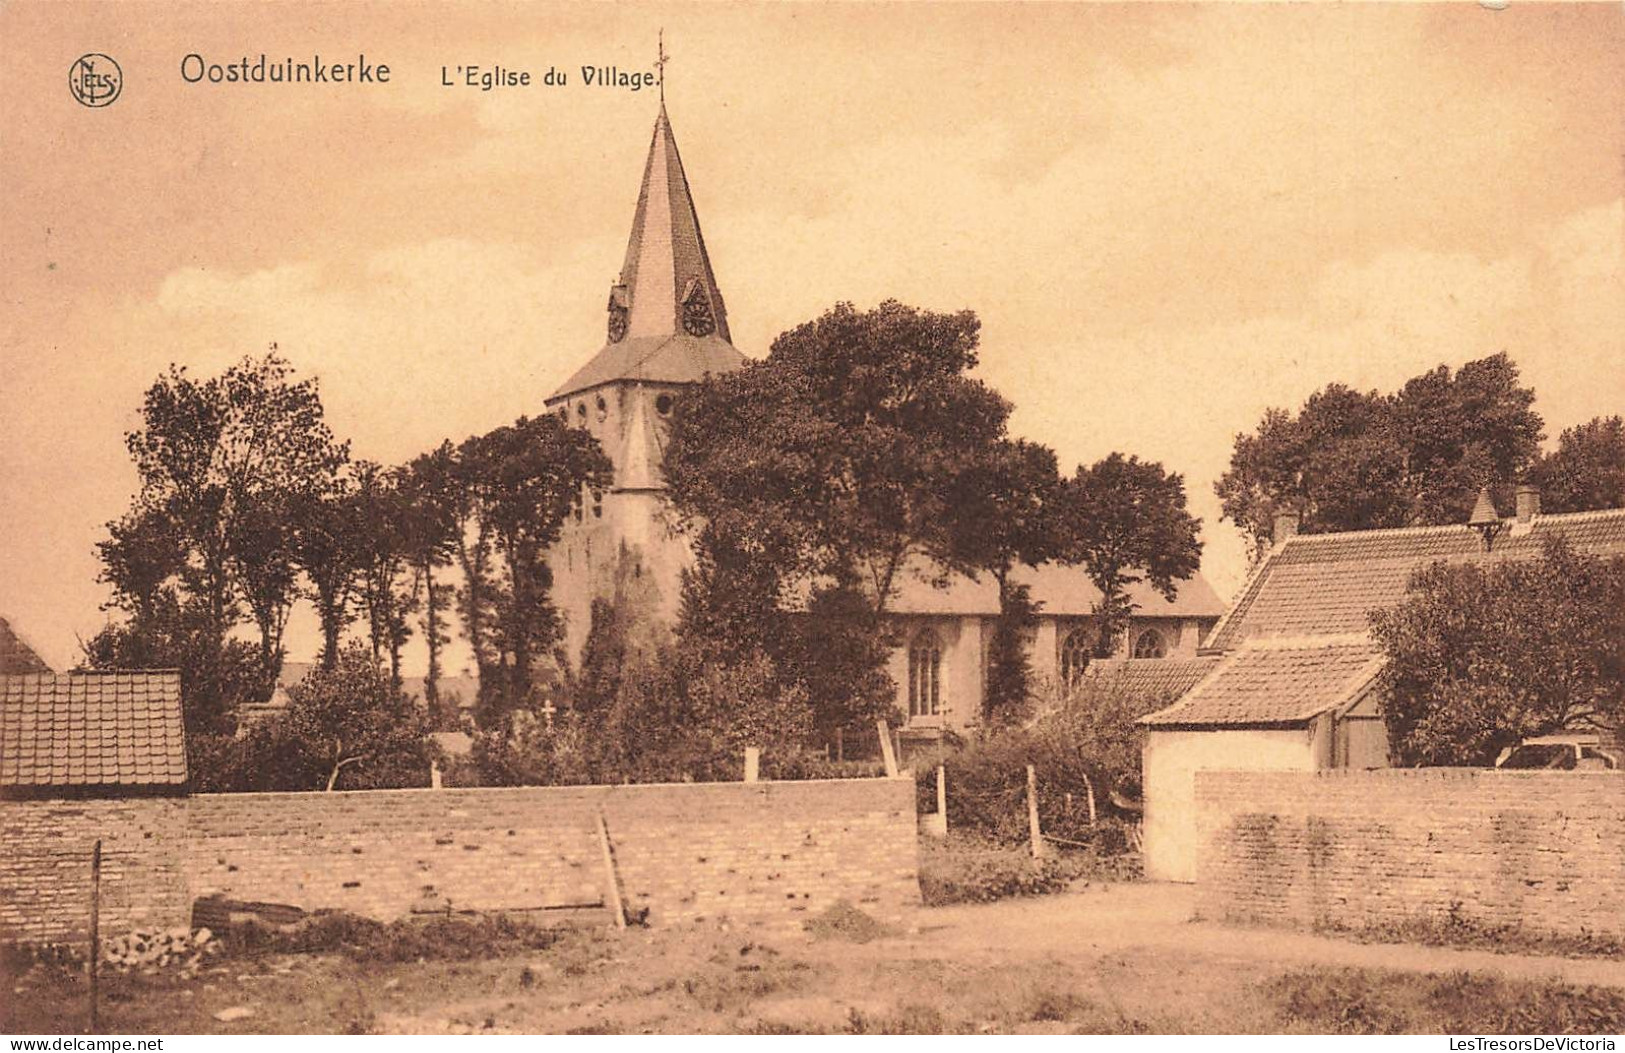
(95, 80)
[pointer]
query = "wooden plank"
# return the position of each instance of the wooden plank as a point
(615, 906)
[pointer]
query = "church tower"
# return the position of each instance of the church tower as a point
(666, 329)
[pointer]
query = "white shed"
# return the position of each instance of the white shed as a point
(1273, 705)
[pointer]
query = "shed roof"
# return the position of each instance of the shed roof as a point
(103, 728)
(1329, 583)
(1153, 678)
(1277, 682)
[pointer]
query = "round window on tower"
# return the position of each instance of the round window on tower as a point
(663, 405)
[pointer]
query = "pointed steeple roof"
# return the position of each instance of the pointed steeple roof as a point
(667, 322)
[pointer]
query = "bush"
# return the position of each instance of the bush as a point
(961, 869)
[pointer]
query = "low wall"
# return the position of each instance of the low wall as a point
(751, 852)
(1543, 850)
(45, 852)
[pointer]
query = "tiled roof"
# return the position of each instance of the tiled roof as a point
(1279, 682)
(15, 654)
(1154, 678)
(1329, 583)
(91, 729)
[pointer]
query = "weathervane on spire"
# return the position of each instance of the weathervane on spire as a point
(660, 64)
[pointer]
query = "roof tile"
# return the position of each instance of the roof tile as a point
(94, 728)
(1276, 683)
(1329, 583)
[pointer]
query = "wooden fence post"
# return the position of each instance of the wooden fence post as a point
(95, 931)
(1033, 830)
(886, 753)
(753, 763)
(942, 796)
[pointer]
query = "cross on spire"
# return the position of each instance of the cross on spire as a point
(660, 64)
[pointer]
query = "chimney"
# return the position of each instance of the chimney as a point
(1286, 525)
(1528, 502)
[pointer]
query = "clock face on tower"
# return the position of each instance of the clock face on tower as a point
(697, 320)
(617, 323)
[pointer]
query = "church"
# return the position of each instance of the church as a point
(666, 328)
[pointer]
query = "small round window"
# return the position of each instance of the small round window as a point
(663, 405)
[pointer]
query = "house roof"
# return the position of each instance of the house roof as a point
(1059, 590)
(112, 728)
(15, 654)
(1277, 682)
(1153, 678)
(1328, 583)
(666, 276)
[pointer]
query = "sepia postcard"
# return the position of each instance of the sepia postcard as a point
(812, 519)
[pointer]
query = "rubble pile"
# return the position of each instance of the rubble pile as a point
(148, 952)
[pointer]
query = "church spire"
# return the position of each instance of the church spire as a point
(666, 319)
(666, 281)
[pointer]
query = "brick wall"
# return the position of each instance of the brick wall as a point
(45, 851)
(1545, 850)
(759, 852)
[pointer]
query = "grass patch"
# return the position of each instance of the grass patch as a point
(403, 940)
(1382, 1002)
(1455, 929)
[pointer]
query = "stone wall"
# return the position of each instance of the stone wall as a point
(1355, 849)
(770, 853)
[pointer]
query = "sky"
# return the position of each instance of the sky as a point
(1169, 217)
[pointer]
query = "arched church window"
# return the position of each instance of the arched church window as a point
(564, 414)
(581, 412)
(925, 675)
(1076, 651)
(603, 408)
(1150, 644)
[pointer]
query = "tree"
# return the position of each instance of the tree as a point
(1587, 470)
(823, 472)
(1006, 516)
(1481, 656)
(1351, 460)
(220, 462)
(327, 544)
(1124, 521)
(381, 561)
(429, 524)
(520, 482)
(346, 724)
